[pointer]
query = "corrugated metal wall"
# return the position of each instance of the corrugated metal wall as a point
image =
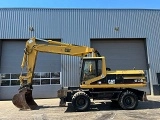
(79, 25)
(0, 54)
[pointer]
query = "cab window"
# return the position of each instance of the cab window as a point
(91, 69)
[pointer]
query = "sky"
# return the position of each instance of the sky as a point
(125, 4)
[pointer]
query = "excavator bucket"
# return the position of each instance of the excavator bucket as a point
(24, 100)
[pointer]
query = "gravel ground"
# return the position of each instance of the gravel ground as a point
(49, 110)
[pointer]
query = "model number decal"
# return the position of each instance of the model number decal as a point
(138, 80)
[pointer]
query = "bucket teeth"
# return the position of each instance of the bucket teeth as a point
(24, 100)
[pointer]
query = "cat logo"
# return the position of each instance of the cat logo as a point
(111, 81)
(67, 50)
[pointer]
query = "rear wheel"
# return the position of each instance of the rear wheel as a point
(81, 101)
(128, 100)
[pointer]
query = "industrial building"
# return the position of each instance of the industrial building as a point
(128, 38)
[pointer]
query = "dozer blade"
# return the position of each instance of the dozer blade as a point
(24, 100)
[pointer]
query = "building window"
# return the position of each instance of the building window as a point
(15, 82)
(39, 78)
(5, 83)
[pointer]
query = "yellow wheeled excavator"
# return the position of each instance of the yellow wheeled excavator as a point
(96, 81)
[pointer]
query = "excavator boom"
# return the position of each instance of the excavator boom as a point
(24, 99)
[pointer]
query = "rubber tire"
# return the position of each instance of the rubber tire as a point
(81, 96)
(132, 97)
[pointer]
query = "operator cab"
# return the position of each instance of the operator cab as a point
(92, 67)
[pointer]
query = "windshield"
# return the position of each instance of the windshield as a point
(91, 69)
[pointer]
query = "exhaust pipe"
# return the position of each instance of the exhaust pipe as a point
(24, 100)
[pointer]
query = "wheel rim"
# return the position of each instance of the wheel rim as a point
(129, 101)
(80, 102)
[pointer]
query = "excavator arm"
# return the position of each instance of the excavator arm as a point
(23, 99)
(32, 49)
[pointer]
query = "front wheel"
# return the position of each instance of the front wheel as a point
(128, 100)
(81, 101)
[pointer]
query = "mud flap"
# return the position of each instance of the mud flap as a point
(24, 100)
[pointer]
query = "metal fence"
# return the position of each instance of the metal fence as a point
(39, 78)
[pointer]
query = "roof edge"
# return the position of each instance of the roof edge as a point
(83, 8)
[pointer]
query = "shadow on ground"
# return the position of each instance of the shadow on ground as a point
(44, 107)
(102, 106)
(110, 106)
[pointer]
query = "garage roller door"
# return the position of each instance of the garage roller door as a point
(122, 54)
(12, 53)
